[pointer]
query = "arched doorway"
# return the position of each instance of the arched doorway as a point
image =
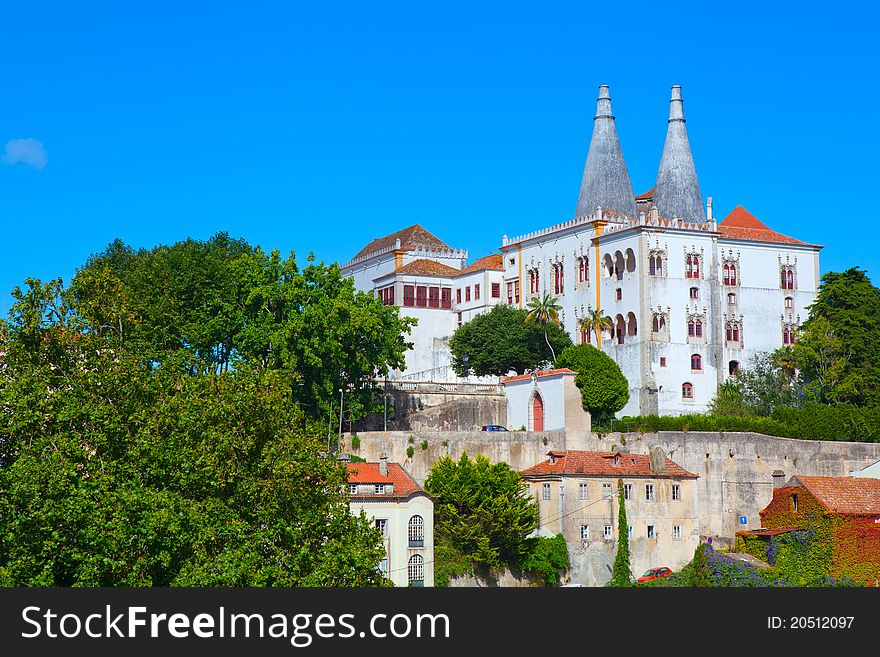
(537, 413)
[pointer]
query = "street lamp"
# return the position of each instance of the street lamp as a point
(340, 416)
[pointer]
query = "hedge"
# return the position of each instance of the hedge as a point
(841, 422)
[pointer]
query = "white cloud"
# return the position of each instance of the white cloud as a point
(26, 151)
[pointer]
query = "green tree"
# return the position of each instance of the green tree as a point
(502, 340)
(604, 388)
(596, 321)
(117, 471)
(544, 310)
(621, 574)
(481, 510)
(838, 347)
(765, 385)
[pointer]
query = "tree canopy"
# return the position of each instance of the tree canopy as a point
(159, 421)
(502, 340)
(604, 388)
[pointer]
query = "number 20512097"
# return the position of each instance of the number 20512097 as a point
(810, 622)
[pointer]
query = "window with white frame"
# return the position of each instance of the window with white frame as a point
(585, 532)
(627, 491)
(651, 531)
(379, 489)
(416, 570)
(676, 492)
(416, 531)
(676, 532)
(546, 491)
(353, 489)
(606, 489)
(649, 492)
(609, 532)
(584, 491)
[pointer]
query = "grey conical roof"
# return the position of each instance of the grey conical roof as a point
(677, 191)
(606, 182)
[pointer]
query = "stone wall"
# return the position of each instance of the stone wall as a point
(735, 469)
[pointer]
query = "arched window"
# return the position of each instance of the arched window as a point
(698, 328)
(695, 293)
(782, 282)
(733, 367)
(416, 570)
(733, 274)
(789, 303)
(652, 266)
(416, 531)
(691, 329)
(631, 328)
(790, 279)
(630, 261)
(696, 362)
(687, 391)
(731, 299)
(620, 329)
(659, 267)
(689, 267)
(727, 274)
(619, 265)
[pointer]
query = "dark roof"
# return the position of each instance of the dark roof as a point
(409, 238)
(574, 462)
(740, 224)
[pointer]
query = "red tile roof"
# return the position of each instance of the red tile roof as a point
(647, 196)
(368, 473)
(766, 532)
(409, 238)
(561, 370)
(851, 496)
(572, 462)
(740, 224)
(493, 261)
(424, 267)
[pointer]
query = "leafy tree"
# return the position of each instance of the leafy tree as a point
(838, 347)
(223, 304)
(481, 510)
(759, 389)
(604, 388)
(115, 470)
(502, 340)
(546, 556)
(544, 310)
(622, 572)
(596, 321)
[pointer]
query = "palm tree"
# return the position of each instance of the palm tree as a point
(544, 310)
(784, 358)
(597, 322)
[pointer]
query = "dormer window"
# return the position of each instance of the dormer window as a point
(352, 489)
(379, 489)
(616, 459)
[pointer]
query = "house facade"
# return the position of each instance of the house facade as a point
(691, 299)
(545, 400)
(577, 494)
(844, 510)
(403, 512)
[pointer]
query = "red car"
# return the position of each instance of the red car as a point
(655, 573)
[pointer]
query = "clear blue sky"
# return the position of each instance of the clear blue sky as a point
(319, 126)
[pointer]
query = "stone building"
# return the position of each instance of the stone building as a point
(403, 512)
(546, 400)
(577, 497)
(691, 299)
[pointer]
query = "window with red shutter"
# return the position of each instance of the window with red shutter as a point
(421, 296)
(409, 295)
(433, 297)
(496, 290)
(476, 291)
(446, 298)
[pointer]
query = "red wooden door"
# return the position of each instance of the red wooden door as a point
(538, 413)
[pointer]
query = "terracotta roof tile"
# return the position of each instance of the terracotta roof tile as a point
(740, 224)
(493, 261)
(647, 196)
(424, 267)
(561, 370)
(368, 473)
(573, 462)
(410, 237)
(852, 496)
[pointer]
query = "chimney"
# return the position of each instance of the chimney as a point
(778, 479)
(383, 465)
(657, 460)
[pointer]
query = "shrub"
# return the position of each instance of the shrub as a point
(355, 442)
(424, 444)
(546, 557)
(410, 451)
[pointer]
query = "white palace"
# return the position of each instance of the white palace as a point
(692, 299)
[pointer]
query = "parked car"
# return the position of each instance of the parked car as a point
(493, 427)
(655, 573)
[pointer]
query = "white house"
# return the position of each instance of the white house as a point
(545, 400)
(403, 512)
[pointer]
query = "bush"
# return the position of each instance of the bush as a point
(424, 445)
(410, 451)
(355, 442)
(546, 557)
(604, 389)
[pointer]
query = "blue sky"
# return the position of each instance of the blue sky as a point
(319, 126)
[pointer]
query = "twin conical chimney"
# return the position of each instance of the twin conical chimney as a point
(677, 192)
(606, 182)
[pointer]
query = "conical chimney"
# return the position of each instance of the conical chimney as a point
(677, 192)
(606, 182)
